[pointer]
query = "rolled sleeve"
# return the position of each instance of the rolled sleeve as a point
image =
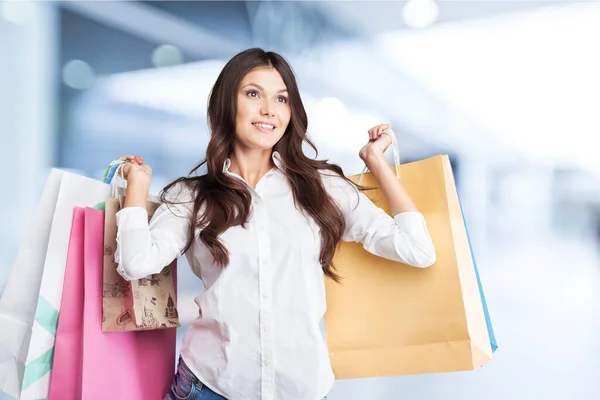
(403, 238)
(410, 221)
(146, 247)
(131, 218)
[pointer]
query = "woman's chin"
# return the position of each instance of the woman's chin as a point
(258, 145)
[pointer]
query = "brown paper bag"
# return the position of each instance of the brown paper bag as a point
(145, 304)
(387, 318)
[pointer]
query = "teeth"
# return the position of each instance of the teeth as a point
(264, 126)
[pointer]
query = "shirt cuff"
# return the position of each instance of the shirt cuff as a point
(410, 220)
(132, 218)
(121, 271)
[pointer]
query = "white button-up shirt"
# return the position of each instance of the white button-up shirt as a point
(257, 336)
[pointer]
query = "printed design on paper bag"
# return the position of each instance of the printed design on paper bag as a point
(152, 280)
(149, 321)
(124, 318)
(171, 310)
(115, 289)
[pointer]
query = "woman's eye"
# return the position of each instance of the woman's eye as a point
(252, 93)
(282, 99)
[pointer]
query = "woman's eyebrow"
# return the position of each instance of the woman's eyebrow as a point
(262, 89)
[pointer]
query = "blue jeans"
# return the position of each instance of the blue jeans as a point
(187, 387)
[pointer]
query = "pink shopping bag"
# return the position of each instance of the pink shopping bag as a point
(116, 365)
(65, 379)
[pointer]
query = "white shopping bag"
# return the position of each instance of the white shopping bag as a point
(75, 190)
(19, 300)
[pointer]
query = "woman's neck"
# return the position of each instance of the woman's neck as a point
(251, 165)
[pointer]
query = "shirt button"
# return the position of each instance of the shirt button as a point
(265, 296)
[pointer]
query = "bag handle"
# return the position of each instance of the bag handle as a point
(114, 192)
(109, 173)
(395, 151)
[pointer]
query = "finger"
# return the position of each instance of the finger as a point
(137, 160)
(131, 158)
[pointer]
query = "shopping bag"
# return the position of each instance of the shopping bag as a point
(120, 365)
(65, 379)
(19, 300)
(75, 190)
(142, 304)
(387, 318)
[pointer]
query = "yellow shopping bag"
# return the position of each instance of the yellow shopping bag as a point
(387, 318)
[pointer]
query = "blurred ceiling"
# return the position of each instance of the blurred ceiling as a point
(207, 29)
(371, 18)
(319, 38)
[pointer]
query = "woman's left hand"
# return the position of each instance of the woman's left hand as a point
(378, 142)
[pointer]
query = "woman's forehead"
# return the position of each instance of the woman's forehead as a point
(267, 78)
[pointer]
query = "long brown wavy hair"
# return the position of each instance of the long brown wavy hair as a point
(225, 200)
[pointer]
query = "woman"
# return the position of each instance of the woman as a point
(260, 230)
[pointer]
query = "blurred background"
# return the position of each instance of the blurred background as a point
(509, 89)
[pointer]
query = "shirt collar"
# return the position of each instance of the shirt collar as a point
(276, 157)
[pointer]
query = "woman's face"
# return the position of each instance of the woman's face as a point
(263, 111)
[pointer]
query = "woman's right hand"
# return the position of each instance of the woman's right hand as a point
(135, 169)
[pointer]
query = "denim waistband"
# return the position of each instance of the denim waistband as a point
(186, 375)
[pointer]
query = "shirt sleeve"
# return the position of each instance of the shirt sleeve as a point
(146, 247)
(403, 237)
